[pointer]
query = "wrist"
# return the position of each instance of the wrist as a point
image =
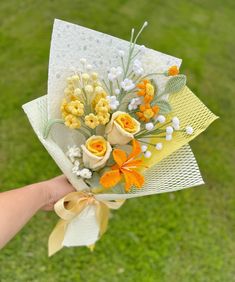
(43, 194)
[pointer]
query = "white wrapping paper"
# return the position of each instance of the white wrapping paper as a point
(69, 44)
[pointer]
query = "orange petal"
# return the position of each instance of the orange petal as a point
(110, 178)
(133, 164)
(148, 98)
(155, 109)
(136, 149)
(132, 177)
(139, 114)
(119, 156)
(141, 85)
(142, 108)
(141, 93)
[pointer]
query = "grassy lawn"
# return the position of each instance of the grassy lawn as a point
(184, 236)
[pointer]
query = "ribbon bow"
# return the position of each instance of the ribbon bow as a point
(71, 206)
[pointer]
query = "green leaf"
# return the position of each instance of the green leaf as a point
(164, 106)
(50, 123)
(175, 84)
(155, 87)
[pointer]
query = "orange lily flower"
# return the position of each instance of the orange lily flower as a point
(146, 89)
(125, 166)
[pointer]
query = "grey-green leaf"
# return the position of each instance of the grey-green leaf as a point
(164, 106)
(175, 83)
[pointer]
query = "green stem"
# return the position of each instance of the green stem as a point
(49, 125)
(150, 74)
(106, 86)
(111, 87)
(141, 141)
(152, 136)
(86, 135)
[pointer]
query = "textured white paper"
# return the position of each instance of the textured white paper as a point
(72, 42)
(83, 229)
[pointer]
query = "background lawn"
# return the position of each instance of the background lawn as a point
(183, 236)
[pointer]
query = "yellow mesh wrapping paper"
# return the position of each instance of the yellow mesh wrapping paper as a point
(190, 111)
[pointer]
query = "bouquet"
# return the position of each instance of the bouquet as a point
(117, 120)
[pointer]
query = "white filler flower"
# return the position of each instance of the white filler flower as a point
(137, 67)
(144, 148)
(117, 91)
(113, 102)
(75, 169)
(114, 73)
(85, 173)
(149, 126)
(135, 102)
(169, 130)
(176, 123)
(161, 119)
(127, 84)
(189, 130)
(168, 137)
(159, 146)
(73, 153)
(147, 154)
(121, 53)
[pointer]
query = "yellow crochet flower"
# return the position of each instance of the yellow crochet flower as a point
(103, 117)
(102, 106)
(76, 108)
(63, 108)
(97, 98)
(91, 121)
(72, 121)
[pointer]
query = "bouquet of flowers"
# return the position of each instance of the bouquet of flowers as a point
(117, 120)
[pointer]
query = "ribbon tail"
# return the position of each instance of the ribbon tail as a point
(56, 238)
(102, 215)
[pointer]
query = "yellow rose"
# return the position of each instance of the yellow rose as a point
(96, 152)
(122, 128)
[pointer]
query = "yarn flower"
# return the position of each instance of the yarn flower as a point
(76, 108)
(126, 166)
(102, 106)
(147, 112)
(173, 71)
(121, 128)
(146, 89)
(103, 117)
(96, 152)
(72, 121)
(91, 121)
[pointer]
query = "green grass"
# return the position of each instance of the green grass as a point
(180, 237)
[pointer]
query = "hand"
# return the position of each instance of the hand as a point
(55, 189)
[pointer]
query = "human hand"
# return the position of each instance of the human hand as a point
(55, 189)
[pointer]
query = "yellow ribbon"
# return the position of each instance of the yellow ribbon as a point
(71, 206)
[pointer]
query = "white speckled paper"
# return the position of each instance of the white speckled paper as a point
(72, 42)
